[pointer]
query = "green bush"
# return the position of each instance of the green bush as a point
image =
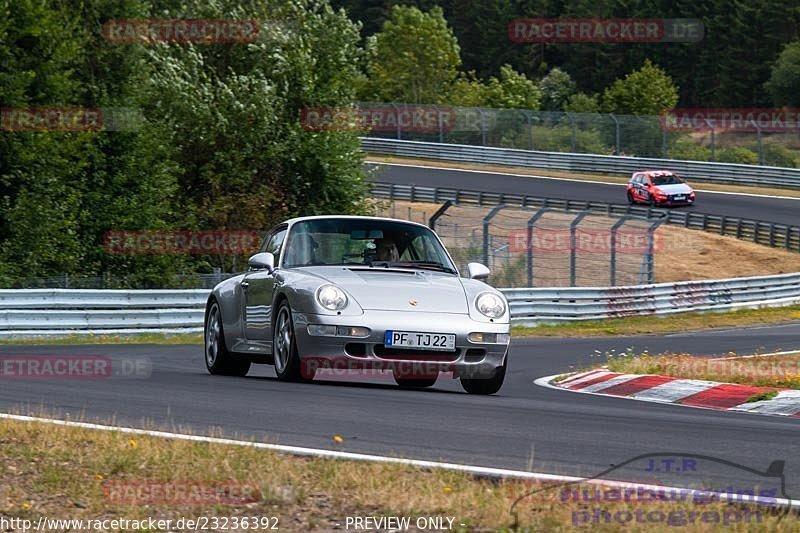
(777, 155)
(688, 149)
(737, 154)
(559, 139)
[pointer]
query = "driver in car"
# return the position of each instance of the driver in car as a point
(386, 250)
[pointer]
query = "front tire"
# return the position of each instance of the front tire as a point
(631, 200)
(284, 348)
(219, 361)
(486, 385)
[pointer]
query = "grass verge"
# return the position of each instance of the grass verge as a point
(144, 338)
(64, 472)
(781, 371)
(648, 325)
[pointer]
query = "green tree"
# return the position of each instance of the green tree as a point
(647, 91)
(582, 103)
(415, 58)
(220, 145)
(233, 113)
(467, 91)
(784, 83)
(512, 90)
(556, 88)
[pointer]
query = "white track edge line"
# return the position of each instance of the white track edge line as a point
(333, 454)
(596, 182)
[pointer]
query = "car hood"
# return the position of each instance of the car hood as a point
(678, 188)
(395, 289)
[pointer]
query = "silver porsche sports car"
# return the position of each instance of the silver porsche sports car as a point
(359, 293)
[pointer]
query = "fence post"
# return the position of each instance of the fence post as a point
(486, 220)
(399, 130)
(651, 271)
(613, 258)
(574, 134)
(713, 144)
(439, 116)
(530, 128)
(439, 212)
(572, 227)
(529, 242)
(760, 145)
(483, 126)
(618, 150)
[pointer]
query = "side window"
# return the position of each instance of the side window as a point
(275, 242)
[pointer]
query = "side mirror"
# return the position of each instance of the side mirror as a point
(478, 271)
(262, 261)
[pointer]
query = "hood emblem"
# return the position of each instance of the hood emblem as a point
(413, 302)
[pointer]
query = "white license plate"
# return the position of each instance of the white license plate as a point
(679, 198)
(415, 340)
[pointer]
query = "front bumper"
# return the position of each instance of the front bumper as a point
(469, 359)
(672, 202)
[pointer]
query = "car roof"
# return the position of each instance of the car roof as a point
(295, 220)
(654, 173)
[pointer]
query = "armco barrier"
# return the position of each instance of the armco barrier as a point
(696, 171)
(32, 312)
(59, 311)
(766, 233)
(535, 306)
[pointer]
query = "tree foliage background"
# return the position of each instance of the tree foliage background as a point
(728, 68)
(220, 145)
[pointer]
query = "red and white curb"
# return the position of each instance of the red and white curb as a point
(689, 392)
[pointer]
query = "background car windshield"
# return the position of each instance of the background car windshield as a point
(341, 241)
(670, 179)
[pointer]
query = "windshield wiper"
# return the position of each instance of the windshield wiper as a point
(427, 265)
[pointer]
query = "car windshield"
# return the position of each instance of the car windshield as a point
(669, 179)
(367, 242)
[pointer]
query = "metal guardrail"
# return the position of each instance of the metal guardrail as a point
(536, 306)
(32, 312)
(698, 171)
(91, 311)
(766, 233)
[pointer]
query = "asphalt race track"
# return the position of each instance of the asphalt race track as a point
(524, 427)
(779, 210)
(564, 432)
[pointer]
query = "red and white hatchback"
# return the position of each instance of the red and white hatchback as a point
(659, 188)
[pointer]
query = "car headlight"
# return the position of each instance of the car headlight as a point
(331, 297)
(490, 304)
